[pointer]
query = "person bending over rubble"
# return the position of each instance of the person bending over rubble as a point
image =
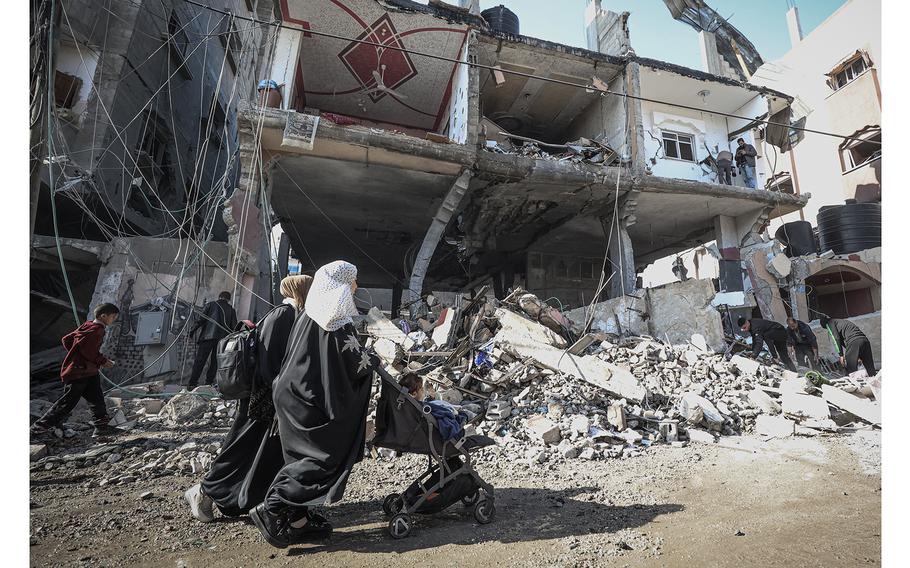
(250, 455)
(80, 373)
(805, 346)
(772, 334)
(321, 397)
(851, 344)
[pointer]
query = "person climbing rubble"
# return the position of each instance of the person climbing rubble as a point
(772, 334)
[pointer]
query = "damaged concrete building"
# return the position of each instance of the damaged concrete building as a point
(144, 158)
(523, 168)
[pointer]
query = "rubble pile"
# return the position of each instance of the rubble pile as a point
(544, 392)
(581, 150)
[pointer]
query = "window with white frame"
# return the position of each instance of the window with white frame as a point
(863, 147)
(679, 146)
(848, 70)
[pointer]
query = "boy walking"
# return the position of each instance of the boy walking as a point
(80, 374)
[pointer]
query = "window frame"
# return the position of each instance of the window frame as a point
(847, 70)
(846, 149)
(676, 141)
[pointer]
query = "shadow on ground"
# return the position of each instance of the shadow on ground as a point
(521, 515)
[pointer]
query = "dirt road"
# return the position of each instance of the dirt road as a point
(795, 502)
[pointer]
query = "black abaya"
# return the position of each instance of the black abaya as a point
(321, 397)
(251, 452)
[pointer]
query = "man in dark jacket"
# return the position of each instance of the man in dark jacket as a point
(805, 346)
(216, 321)
(745, 159)
(851, 344)
(80, 374)
(771, 334)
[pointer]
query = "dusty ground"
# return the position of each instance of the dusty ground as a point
(796, 502)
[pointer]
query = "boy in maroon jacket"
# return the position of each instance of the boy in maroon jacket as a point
(79, 373)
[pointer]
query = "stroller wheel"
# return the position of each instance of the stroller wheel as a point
(470, 499)
(400, 525)
(484, 511)
(392, 504)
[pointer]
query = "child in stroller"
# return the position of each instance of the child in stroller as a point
(406, 424)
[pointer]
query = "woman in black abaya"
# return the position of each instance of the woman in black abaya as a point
(321, 397)
(251, 452)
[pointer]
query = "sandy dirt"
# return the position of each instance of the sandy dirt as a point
(745, 502)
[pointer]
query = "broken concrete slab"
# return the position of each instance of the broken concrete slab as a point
(697, 409)
(37, 451)
(763, 401)
(861, 407)
(745, 366)
(517, 331)
(183, 408)
(379, 326)
(780, 266)
(616, 416)
(774, 426)
(543, 429)
(805, 406)
(700, 436)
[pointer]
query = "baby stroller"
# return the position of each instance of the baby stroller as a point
(406, 425)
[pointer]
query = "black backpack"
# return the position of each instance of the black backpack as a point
(236, 356)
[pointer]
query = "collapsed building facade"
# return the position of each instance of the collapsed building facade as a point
(520, 168)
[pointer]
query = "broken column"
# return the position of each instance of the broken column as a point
(730, 264)
(621, 254)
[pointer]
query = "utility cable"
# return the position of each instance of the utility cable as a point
(522, 74)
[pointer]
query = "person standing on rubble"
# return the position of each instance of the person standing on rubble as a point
(321, 397)
(218, 319)
(745, 159)
(851, 344)
(81, 374)
(771, 334)
(802, 339)
(251, 454)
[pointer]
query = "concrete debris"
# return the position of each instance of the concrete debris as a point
(700, 436)
(805, 406)
(774, 426)
(861, 407)
(37, 451)
(763, 401)
(182, 408)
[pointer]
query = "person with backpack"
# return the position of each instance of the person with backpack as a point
(80, 373)
(218, 319)
(321, 398)
(251, 452)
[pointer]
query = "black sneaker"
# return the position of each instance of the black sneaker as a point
(103, 431)
(41, 429)
(316, 528)
(274, 528)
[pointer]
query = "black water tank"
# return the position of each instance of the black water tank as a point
(850, 228)
(501, 19)
(797, 237)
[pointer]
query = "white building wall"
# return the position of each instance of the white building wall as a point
(801, 73)
(458, 102)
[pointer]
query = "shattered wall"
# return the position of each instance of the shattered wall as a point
(682, 309)
(672, 312)
(605, 117)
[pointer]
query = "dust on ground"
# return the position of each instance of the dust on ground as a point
(745, 502)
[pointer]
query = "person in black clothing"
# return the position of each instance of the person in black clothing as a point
(771, 334)
(802, 339)
(851, 344)
(251, 452)
(217, 320)
(321, 397)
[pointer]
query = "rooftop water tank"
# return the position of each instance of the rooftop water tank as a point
(797, 237)
(501, 19)
(850, 228)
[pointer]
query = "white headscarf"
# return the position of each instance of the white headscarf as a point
(330, 302)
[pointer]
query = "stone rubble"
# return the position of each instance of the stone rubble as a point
(538, 409)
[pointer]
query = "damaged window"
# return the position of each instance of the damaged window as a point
(230, 39)
(678, 146)
(849, 70)
(865, 146)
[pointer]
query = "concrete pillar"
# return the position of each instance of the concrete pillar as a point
(396, 299)
(284, 64)
(730, 264)
(474, 115)
(635, 122)
(623, 261)
(793, 26)
(711, 61)
(438, 226)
